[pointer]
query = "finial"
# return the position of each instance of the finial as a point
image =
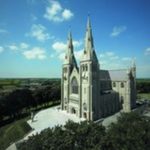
(88, 14)
(88, 21)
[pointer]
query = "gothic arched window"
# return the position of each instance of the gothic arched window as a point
(122, 85)
(74, 86)
(114, 84)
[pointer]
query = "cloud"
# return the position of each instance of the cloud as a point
(78, 54)
(61, 56)
(59, 46)
(67, 14)
(16, 47)
(3, 31)
(13, 47)
(38, 31)
(126, 58)
(117, 30)
(110, 60)
(1, 49)
(102, 55)
(114, 57)
(110, 54)
(77, 44)
(147, 51)
(35, 53)
(24, 45)
(55, 12)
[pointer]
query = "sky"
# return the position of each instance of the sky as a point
(33, 35)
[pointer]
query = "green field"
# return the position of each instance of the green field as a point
(12, 132)
(144, 96)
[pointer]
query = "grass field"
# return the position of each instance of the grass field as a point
(13, 132)
(144, 96)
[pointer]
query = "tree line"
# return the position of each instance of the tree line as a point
(143, 86)
(19, 101)
(131, 132)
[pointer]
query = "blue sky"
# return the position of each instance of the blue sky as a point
(33, 34)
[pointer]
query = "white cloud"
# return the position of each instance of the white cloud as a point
(16, 47)
(24, 45)
(35, 53)
(110, 60)
(77, 44)
(117, 30)
(38, 31)
(78, 54)
(102, 55)
(61, 56)
(110, 54)
(55, 12)
(1, 49)
(114, 57)
(67, 14)
(13, 47)
(59, 46)
(147, 51)
(126, 59)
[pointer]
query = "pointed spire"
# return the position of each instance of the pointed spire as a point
(69, 58)
(70, 45)
(89, 52)
(133, 68)
(89, 38)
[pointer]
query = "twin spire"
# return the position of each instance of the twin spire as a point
(69, 57)
(88, 53)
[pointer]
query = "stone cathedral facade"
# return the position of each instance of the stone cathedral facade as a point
(93, 93)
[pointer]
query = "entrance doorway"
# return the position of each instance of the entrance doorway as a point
(85, 115)
(73, 111)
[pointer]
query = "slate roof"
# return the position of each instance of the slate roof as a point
(114, 75)
(118, 75)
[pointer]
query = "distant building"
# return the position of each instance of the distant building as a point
(93, 93)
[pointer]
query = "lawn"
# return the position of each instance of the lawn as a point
(12, 132)
(144, 96)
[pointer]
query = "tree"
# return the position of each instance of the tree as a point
(132, 131)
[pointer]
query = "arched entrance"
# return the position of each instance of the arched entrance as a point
(85, 115)
(73, 111)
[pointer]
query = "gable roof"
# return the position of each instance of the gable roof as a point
(114, 75)
(118, 75)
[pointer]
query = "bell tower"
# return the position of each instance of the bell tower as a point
(68, 65)
(89, 77)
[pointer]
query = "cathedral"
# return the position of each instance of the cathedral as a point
(90, 92)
